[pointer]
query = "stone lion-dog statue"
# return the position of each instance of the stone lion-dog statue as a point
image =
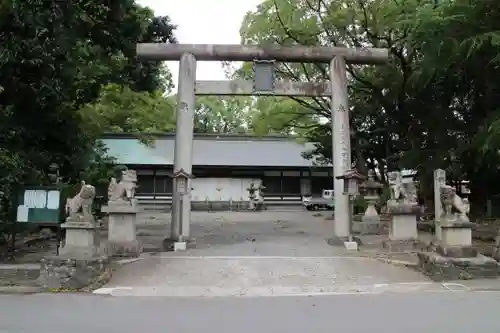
(453, 206)
(395, 180)
(122, 192)
(79, 208)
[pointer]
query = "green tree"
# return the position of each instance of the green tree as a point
(119, 109)
(56, 57)
(215, 114)
(433, 105)
(461, 66)
(379, 105)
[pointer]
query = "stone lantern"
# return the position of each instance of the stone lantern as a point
(181, 179)
(352, 179)
(370, 220)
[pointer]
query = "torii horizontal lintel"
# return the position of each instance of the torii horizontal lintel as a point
(297, 53)
(246, 88)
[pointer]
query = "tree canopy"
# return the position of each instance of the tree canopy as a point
(432, 106)
(56, 58)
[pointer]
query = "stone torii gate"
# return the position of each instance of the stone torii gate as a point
(262, 84)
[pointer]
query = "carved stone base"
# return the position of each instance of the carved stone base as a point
(81, 241)
(402, 208)
(456, 234)
(124, 249)
(72, 274)
(456, 251)
(122, 232)
(403, 245)
(403, 227)
(131, 207)
(441, 268)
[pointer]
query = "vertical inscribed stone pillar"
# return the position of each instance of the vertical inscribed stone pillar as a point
(439, 180)
(183, 153)
(341, 143)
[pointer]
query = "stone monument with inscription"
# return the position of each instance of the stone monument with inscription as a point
(403, 209)
(80, 260)
(454, 257)
(122, 209)
(439, 180)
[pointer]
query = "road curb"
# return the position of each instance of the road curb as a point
(23, 290)
(397, 262)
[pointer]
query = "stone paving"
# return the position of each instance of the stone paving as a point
(256, 254)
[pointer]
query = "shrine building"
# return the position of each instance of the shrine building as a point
(224, 166)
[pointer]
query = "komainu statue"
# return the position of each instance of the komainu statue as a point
(398, 191)
(122, 192)
(454, 207)
(79, 208)
(411, 192)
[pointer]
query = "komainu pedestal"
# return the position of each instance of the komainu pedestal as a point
(82, 240)
(403, 210)
(454, 258)
(403, 234)
(80, 262)
(122, 212)
(81, 230)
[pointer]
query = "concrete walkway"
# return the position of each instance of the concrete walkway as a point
(259, 254)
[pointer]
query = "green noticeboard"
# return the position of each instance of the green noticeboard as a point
(40, 204)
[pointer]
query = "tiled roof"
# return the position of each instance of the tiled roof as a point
(212, 150)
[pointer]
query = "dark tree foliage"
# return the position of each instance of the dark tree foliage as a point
(55, 56)
(434, 105)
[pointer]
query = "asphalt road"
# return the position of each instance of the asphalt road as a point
(443, 312)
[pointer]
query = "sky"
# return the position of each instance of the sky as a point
(204, 22)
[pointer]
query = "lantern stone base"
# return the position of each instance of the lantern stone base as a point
(351, 246)
(369, 225)
(180, 246)
(175, 245)
(340, 241)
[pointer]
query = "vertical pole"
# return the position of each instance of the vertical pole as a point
(351, 215)
(341, 144)
(183, 152)
(181, 231)
(439, 180)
